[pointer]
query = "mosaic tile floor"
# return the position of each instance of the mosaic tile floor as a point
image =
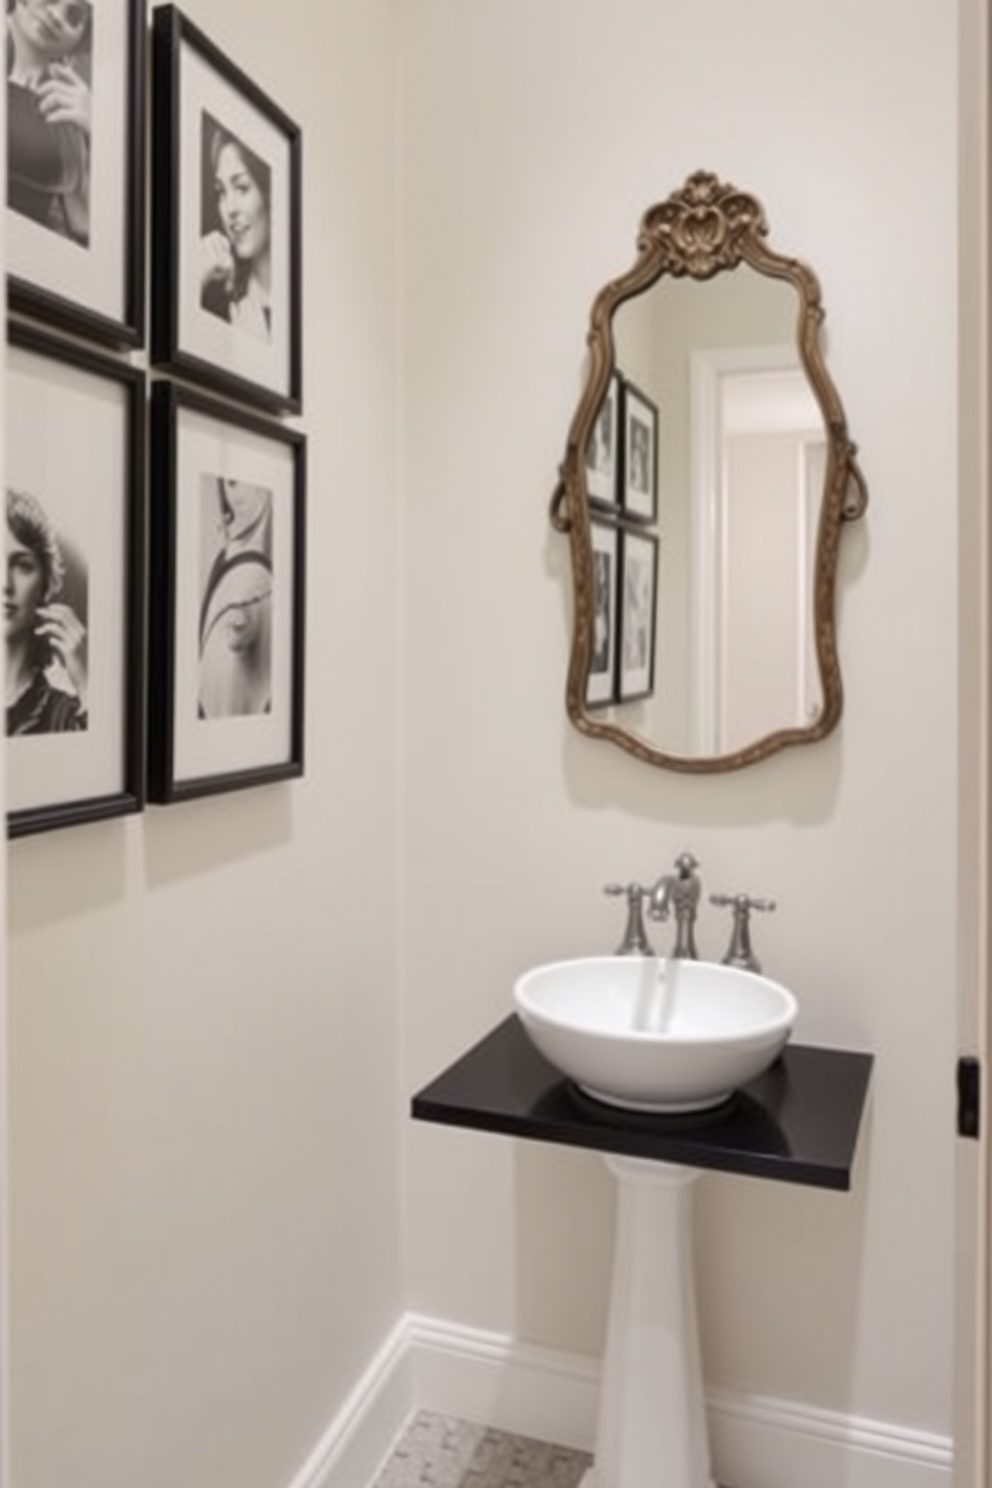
(444, 1452)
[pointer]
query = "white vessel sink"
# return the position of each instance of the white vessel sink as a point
(653, 1034)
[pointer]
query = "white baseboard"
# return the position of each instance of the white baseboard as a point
(497, 1381)
(760, 1443)
(494, 1380)
(361, 1436)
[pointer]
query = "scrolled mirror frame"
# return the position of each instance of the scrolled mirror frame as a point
(705, 227)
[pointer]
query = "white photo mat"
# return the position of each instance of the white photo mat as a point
(601, 683)
(640, 458)
(638, 614)
(67, 443)
(95, 277)
(203, 90)
(209, 447)
(602, 464)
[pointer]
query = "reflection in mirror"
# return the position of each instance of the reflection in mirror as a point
(707, 475)
(743, 441)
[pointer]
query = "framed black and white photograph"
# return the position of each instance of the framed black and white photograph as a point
(602, 452)
(226, 684)
(74, 588)
(76, 165)
(226, 213)
(638, 611)
(639, 479)
(601, 684)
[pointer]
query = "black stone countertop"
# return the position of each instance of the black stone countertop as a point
(797, 1123)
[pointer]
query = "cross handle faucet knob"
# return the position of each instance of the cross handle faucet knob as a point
(740, 951)
(635, 941)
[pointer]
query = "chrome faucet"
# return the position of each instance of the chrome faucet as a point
(680, 892)
(635, 941)
(740, 951)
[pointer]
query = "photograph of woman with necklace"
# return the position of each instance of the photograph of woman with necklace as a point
(235, 630)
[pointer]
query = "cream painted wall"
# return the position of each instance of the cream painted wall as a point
(205, 1247)
(531, 142)
(208, 1138)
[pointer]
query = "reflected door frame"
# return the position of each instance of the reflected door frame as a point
(973, 1167)
(716, 374)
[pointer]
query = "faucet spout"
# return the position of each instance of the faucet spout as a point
(679, 891)
(660, 897)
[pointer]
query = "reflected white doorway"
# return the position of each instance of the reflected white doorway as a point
(758, 464)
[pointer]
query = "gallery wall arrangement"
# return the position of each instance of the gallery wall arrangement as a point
(621, 470)
(155, 607)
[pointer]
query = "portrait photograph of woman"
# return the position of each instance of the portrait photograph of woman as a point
(638, 601)
(226, 685)
(235, 219)
(602, 674)
(49, 64)
(44, 607)
(73, 578)
(601, 452)
(234, 631)
(640, 455)
(75, 214)
(226, 183)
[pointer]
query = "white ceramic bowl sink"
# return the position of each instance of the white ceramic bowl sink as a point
(652, 1034)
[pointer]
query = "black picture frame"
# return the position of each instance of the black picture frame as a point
(227, 597)
(602, 457)
(639, 455)
(601, 679)
(75, 471)
(638, 614)
(76, 251)
(218, 139)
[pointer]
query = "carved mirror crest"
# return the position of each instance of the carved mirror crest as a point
(707, 478)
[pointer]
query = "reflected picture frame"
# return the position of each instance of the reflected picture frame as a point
(226, 215)
(638, 455)
(601, 682)
(638, 612)
(227, 588)
(75, 211)
(602, 457)
(76, 504)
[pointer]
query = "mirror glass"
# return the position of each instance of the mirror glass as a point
(707, 474)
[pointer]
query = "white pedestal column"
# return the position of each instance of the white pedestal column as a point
(652, 1428)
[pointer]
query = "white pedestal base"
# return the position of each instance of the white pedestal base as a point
(651, 1431)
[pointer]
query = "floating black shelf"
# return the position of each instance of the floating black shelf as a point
(797, 1123)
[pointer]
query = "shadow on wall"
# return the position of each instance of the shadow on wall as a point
(58, 876)
(226, 828)
(759, 1303)
(565, 1203)
(799, 784)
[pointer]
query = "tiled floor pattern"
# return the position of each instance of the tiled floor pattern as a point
(444, 1452)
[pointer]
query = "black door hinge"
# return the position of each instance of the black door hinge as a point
(969, 1097)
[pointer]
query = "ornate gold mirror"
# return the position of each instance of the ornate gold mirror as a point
(707, 477)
